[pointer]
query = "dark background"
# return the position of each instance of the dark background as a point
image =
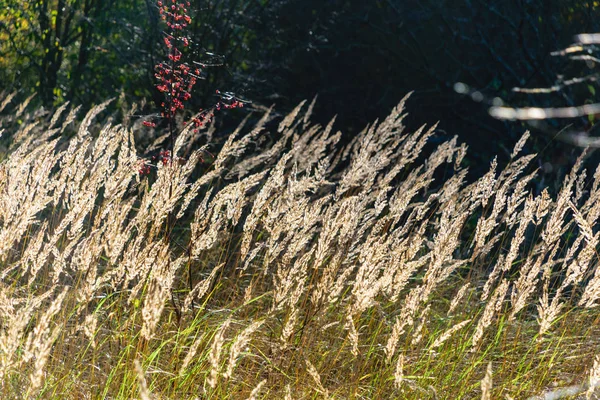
(359, 56)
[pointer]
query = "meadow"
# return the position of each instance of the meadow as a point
(287, 264)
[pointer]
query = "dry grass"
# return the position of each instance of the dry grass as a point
(291, 267)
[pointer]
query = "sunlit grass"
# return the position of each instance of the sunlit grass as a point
(353, 275)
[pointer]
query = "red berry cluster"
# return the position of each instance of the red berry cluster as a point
(143, 167)
(228, 101)
(234, 104)
(176, 82)
(176, 78)
(175, 14)
(204, 117)
(164, 156)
